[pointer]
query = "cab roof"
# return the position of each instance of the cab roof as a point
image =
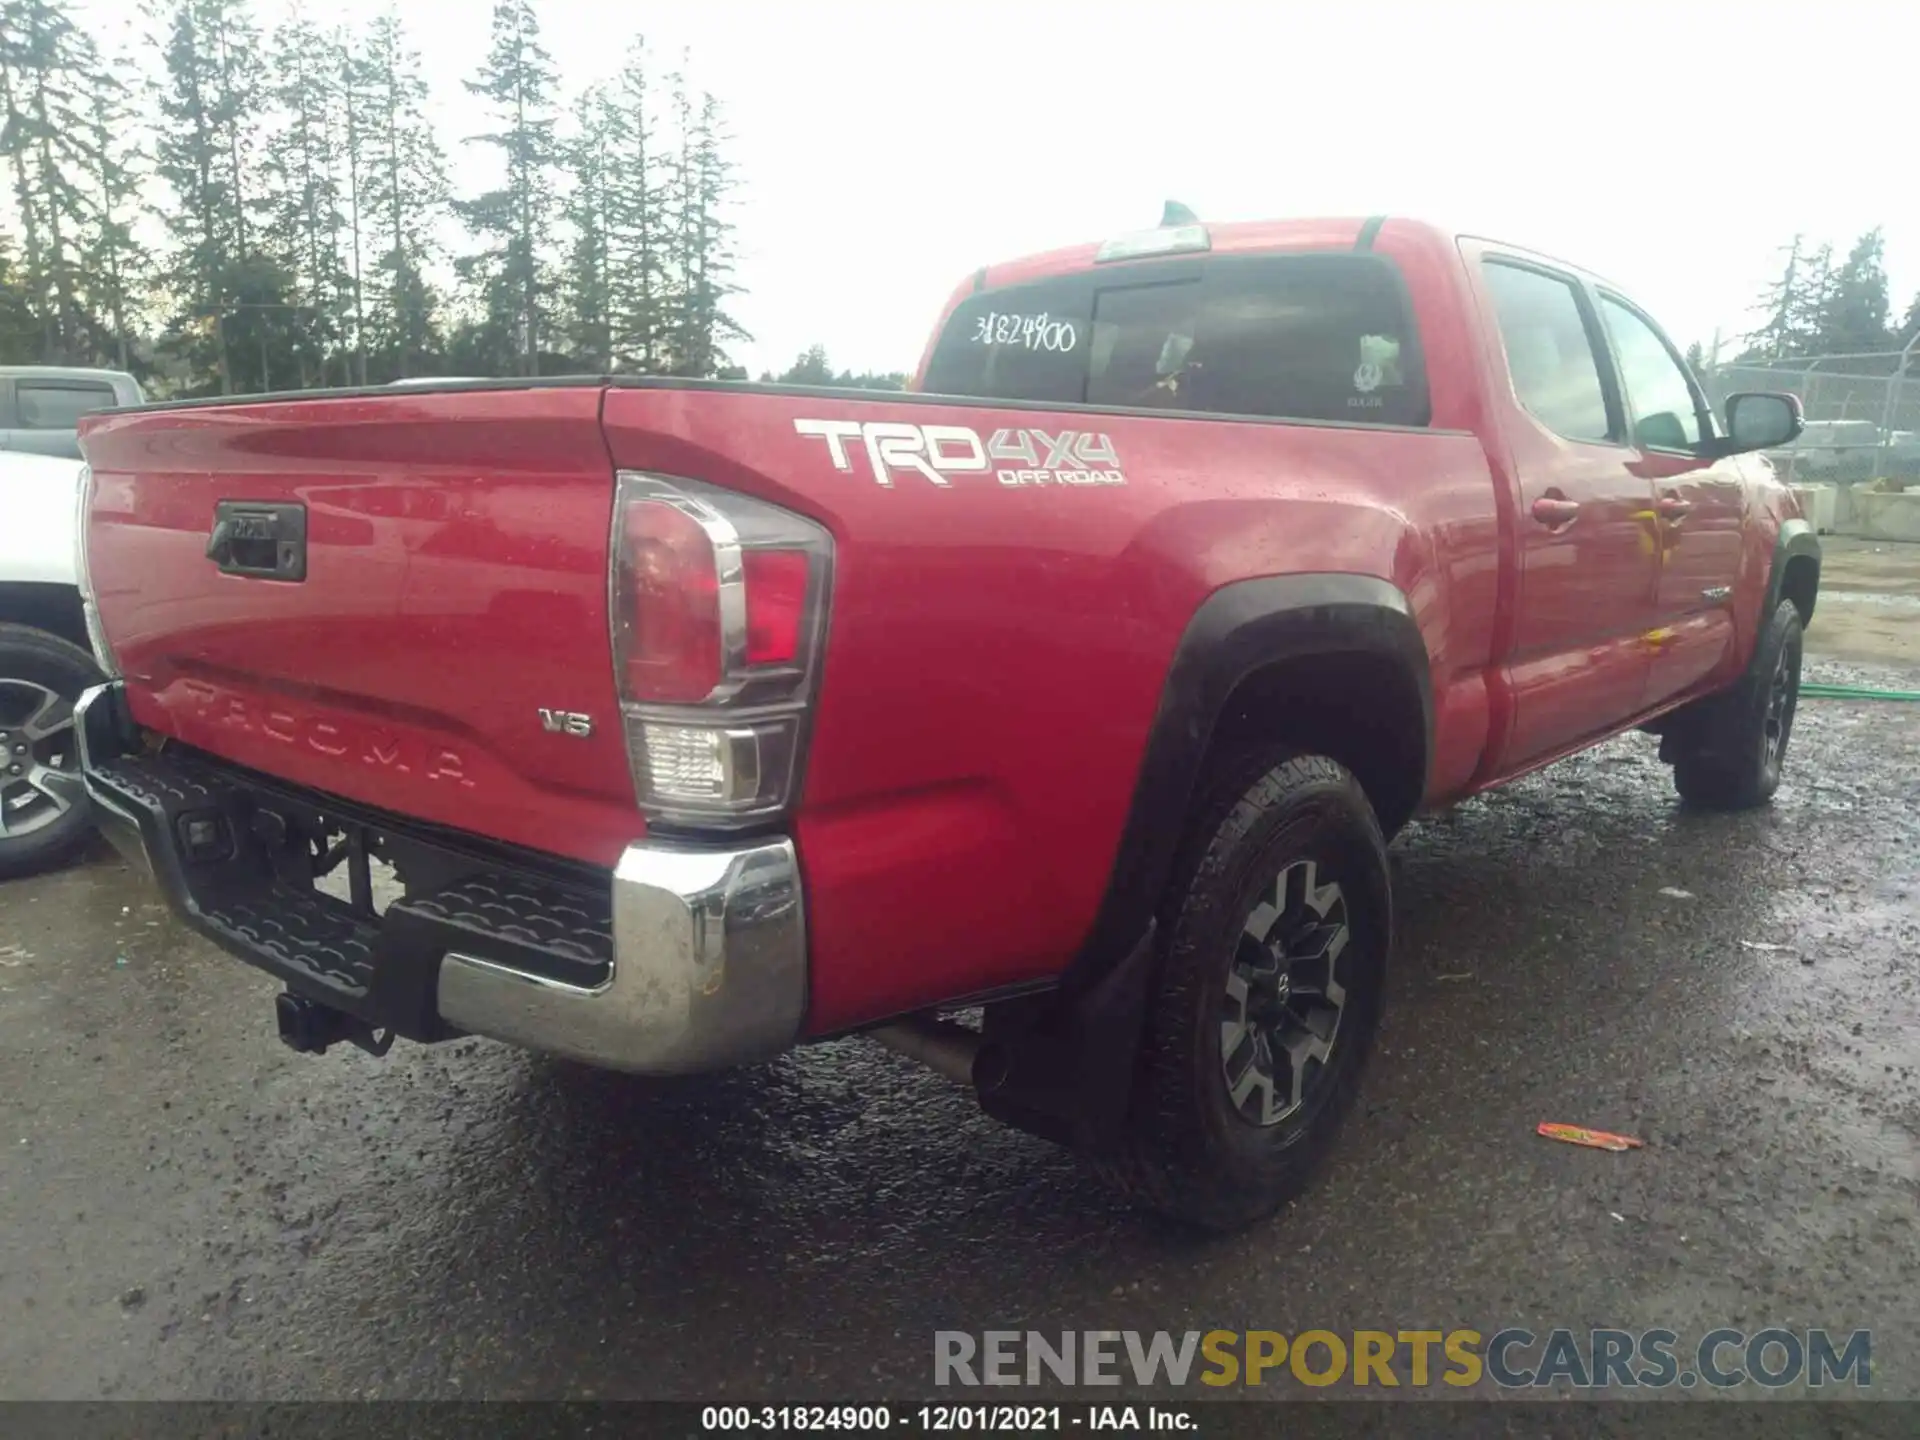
(1231, 237)
(1254, 236)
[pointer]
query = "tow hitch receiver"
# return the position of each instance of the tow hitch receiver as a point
(310, 1027)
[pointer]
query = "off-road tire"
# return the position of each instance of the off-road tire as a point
(1731, 754)
(33, 658)
(1187, 1150)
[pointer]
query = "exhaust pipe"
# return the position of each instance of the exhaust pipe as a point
(940, 1045)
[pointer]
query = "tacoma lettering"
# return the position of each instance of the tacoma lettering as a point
(380, 749)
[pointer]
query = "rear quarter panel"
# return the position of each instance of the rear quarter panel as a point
(996, 653)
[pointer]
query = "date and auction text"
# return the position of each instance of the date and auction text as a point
(947, 1419)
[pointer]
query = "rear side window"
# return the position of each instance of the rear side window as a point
(1549, 352)
(1303, 337)
(58, 407)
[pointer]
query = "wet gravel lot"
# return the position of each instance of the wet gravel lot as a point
(188, 1209)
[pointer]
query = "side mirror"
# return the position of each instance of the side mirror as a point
(1762, 420)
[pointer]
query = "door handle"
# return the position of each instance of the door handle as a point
(1672, 507)
(1550, 510)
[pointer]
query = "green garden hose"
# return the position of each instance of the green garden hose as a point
(1855, 692)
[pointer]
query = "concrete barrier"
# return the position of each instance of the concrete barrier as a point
(1846, 515)
(1894, 516)
(1820, 504)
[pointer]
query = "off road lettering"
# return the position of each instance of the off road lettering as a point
(937, 452)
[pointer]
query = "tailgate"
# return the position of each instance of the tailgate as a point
(453, 603)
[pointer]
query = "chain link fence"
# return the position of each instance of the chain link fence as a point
(1863, 414)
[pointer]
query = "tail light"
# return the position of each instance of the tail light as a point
(103, 655)
(718, 610)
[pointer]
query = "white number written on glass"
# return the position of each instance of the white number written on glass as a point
(1025, 332)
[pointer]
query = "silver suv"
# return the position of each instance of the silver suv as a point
(40, 405)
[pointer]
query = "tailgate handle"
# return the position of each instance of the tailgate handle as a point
(261, 541)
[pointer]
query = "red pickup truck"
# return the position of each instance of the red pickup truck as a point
(1075, 693)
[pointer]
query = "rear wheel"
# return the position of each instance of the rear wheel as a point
(41, 676)
(1275, 937)
(1730, 757)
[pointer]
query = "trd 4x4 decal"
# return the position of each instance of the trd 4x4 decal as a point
(1015, 457)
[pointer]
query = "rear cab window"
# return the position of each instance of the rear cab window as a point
(47, 405)
(1316, 337)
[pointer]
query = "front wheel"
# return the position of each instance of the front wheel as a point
(1731, 757)
(1275, 939)
(41, 676)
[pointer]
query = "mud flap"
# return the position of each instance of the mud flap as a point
(1062, 1066)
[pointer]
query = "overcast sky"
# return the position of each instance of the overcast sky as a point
(885, 150)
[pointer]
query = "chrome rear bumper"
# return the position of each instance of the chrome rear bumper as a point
(686, 958)
(709, 969)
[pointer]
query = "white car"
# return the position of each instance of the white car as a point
(45, 662)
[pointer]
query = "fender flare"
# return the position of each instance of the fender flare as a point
(1061, 1064)
(1238, 629)
(1797, 538)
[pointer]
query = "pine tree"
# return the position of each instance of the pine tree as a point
(1855, 308)
(510, 275)
(588, 291)
(405, 194)
(1793, 305)
(703, 250)
(301, 169)
(1910, 327)
(679, 206)
(1779, 305)
(637, 221)
(113, 260)
(48, 68)
(1811, 307)
(811, 368)
(351, 136)
(300, 194)
(19, 325)
(210, 107)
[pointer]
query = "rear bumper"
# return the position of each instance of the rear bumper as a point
(708, 969)
(683, 959)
